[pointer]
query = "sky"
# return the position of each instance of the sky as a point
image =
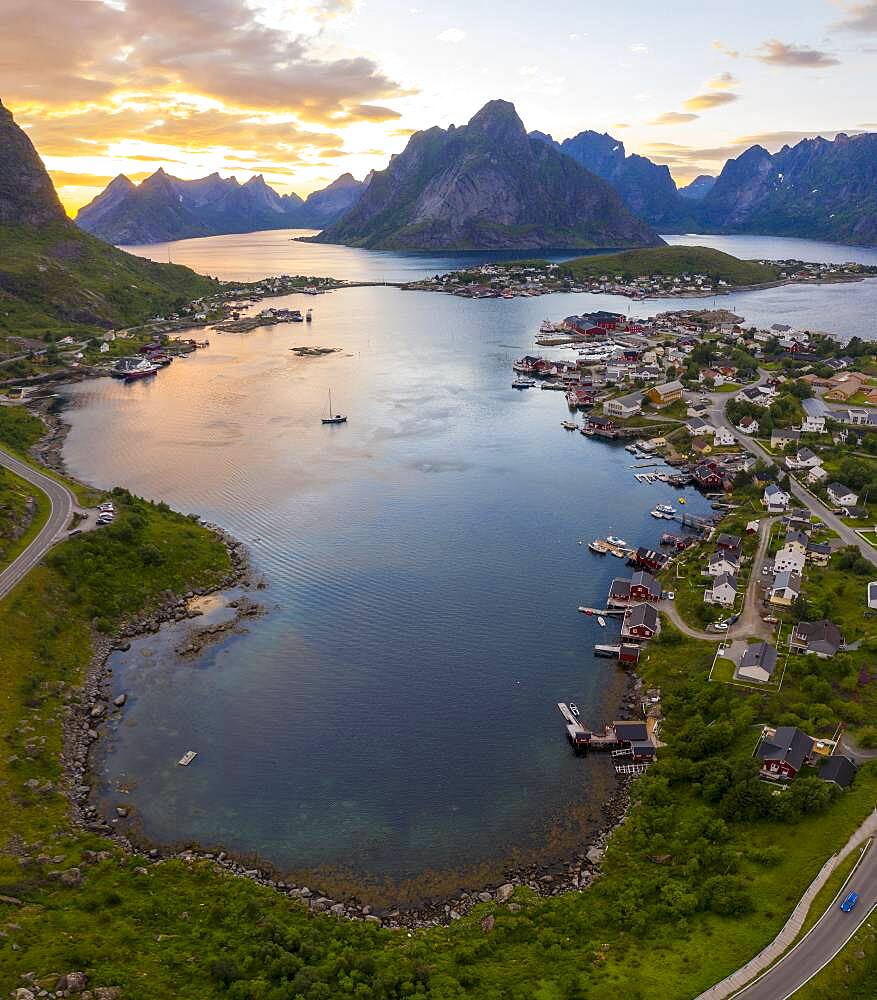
(304, 90)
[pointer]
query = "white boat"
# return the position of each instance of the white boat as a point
(666, 509)
(568, 425)
(574, 708)
(614, 540)
(659, 514)
(187, 758)
(601, 621)
(336, 418)
(523, 383)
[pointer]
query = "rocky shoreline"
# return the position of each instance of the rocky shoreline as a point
(91, 707)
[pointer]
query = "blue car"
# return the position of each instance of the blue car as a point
(849, 902)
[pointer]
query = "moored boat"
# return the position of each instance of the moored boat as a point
(598, 546)
(337, 418)
(614, 540)
(601, 621)
(523, 383)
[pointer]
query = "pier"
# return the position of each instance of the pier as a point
(631, 744)
(601, 611)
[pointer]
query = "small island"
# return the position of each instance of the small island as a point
(657, 272)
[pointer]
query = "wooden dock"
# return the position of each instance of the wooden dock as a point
(607, 651)
(593, 612)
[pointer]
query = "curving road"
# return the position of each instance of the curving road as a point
(717, 416)
(62, 504)
(823, 941)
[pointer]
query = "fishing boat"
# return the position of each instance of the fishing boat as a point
(665, 509)
(336, 418)
(574, 708)
(614, 540)
(659, 514)
(568, 425)
(523, 383)
(598, 546)
(601, 621)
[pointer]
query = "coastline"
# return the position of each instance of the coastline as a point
(92, 708)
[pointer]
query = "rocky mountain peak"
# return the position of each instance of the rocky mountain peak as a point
(27, 195)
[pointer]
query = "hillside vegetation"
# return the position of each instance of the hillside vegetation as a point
(673, 261)
(58, 280)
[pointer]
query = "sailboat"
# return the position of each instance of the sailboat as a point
(336, 418)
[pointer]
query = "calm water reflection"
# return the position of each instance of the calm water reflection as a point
(395, 710)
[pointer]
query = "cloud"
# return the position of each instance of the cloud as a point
(673, 118)
(451, 35)
(777, 53)
(721, 47)
(860, 17)
(714, 99)
(723, 81)
(621, 124)
(639, 48)
(218, 49)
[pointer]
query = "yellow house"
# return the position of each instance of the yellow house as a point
(664, 395)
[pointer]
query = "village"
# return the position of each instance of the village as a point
(755, 420)
(531, 278)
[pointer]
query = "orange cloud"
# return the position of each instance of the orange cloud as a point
(704, 102)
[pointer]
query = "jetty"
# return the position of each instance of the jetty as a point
(632, 745)
(612, 651)
(601, 611)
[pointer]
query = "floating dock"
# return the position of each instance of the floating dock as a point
(187, 758)
(614, 651)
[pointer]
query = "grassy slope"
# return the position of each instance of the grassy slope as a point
(60, 280)
(14, 493)
(672, 261)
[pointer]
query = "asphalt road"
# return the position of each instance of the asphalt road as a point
(62, 503)
(824, 940)
(718, 419)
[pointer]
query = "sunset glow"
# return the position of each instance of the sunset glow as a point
(303, 91)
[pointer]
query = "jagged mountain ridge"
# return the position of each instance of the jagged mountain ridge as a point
(487, 184)
(646, 188)
(163, 207)
(818, 188)
(699, 188)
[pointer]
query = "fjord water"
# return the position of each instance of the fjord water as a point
(393, 713)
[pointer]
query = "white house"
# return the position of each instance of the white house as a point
(748, 425)
(805, 459)
(813, 425)
(842, 495)
(786, 588)
(722, 563)
(104, 347)
(758, 663)
(775, 499)
(816, 474)
(753, 394)
(723, 437)
(723, 591)
(697, 425)
(789, 560)
(624, 406)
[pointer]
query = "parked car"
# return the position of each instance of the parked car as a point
(733, 618)
(849, 902)
(720, 626)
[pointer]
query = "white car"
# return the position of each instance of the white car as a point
(720, 627)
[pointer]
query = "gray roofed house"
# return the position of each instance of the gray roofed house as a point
(726, 541)
(758, 663)
(842, 495)
(823, 638)
(818, 552)
(723, 590)
(872, 595)
(839, 769)
(786, 587)
(783, 752)
(640, 622)
(624, 406)
(796, 538)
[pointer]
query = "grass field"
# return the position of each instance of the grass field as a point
(14, 494)
(672, 261)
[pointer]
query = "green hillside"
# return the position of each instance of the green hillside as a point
(58, 280)
(672, 261)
